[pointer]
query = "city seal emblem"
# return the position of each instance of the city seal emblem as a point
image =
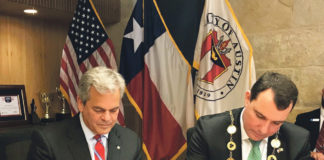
(221, 51)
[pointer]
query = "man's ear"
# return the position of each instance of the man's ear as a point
(80, 104)
(247, 98)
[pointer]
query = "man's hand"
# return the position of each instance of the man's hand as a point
(317, 155)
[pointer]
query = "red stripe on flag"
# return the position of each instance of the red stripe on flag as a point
(93, 61)
(68, 55)
(111, 47)
(104, 56)
(82, 67)
(161, 132)
(74, 112)
(135, 88)
(64, 65)
(72, 89)
(65, 87)
(121, 119)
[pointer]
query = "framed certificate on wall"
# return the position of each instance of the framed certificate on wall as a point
(13, 105)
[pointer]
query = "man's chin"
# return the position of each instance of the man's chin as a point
(103, 131)
(256, 137)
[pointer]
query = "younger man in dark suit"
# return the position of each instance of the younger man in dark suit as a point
(312, 122)
(257, 131)
(92, 134)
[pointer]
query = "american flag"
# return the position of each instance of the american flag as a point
(87, 45)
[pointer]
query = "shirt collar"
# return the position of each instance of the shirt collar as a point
(243, 133)
(87, 132)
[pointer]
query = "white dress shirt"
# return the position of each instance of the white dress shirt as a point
(91, 141)
(246, 144)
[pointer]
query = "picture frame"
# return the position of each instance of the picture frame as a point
(13, 106)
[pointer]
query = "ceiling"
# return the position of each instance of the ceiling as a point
(60, 10)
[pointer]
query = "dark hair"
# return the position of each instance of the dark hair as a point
(285, 91)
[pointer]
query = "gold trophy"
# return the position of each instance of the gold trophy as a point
(45, 100)
(63, 113)
(62, 99)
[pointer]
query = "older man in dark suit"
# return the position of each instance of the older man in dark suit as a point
(257, 131)
(312, 121)
(93, 134)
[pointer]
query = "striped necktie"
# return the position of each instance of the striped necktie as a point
(99, 148)
(255, 153)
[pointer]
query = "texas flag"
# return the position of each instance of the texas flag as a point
(159, 83)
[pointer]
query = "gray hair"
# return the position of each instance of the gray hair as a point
(103, 80)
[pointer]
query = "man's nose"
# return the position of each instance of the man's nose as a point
(265, 127)
(106, 116)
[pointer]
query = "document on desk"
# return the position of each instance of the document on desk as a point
(9, 106)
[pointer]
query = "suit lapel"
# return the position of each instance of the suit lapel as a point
(283, 154)
(77, 143)
(114, 146)
(237, 154)
(315, 121)
(312, 123)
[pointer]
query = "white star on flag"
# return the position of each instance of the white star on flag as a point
(136, 34)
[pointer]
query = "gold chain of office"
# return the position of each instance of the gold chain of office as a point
(231, 145)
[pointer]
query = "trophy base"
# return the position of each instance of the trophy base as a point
(61, 116)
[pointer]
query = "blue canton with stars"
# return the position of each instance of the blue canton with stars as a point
(134, 48)
(86, 32)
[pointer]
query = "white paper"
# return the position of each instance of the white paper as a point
(9, 106)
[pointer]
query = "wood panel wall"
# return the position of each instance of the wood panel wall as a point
(30, 54)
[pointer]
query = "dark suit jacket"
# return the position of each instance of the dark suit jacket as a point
(66, 141)
(305, 120)
(209, 139)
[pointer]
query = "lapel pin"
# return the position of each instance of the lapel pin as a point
(315, 120)
(118, 147)
(280, 150)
